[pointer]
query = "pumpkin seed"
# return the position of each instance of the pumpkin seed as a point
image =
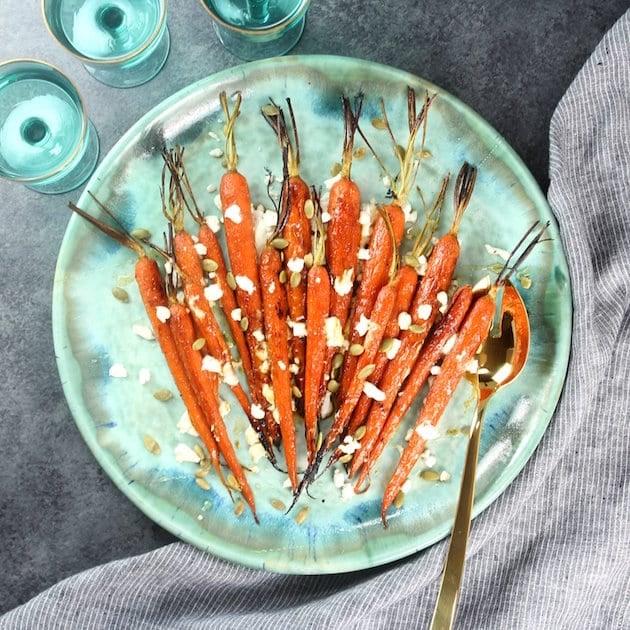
(309, 208)
(231, 282)
(417, 328)
(151, 445)
(203, 469)
(366, 372)
(386, 345)
(430, 475)
(301, 515)
(209, 265)
(320, 439)
(333, 386)
(335, 169)
(360, 433)
(270, 110)
(379, 123)
(359, 153)
(244, 323)
(233, 483)
(278, 505)
(344, 459)
(399, 500)
(141, 233)
(296, 278)
(199, 450)
(282, 276)
(337, 361)
(162, 394)
(355, 349)
(198, 343)
(120, 294)
(280, 243)
(239, 507)
(202, 483)
(296, 392)
(308, 260)
(410, 260)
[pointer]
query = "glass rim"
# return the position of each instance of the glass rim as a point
(84, 118)
(114, 60)
(264, 30)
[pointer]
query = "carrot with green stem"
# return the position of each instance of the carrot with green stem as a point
(381, 246)
(317, 311)
(241, 245)
(213, 263)
(473, 331)
(407, 286)
(428, 358)
(153, 294)
(297, 234)
(276, 332)
(424, 310)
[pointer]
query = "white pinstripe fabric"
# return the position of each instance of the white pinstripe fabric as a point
(554, 551)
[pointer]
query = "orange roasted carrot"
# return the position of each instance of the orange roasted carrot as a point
(239, 232)
(317, 310)
(205, 385)
(381, 248)
(437, 280)
(296, 231)
(429, 356)
(155, 300)
(473, 331)
(276, 332)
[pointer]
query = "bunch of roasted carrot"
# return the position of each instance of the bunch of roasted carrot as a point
(342, 335)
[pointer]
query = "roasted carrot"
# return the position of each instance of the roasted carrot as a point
(424, 310)
(155, 300)
(381, 248)
(205, 384)
(429, 356)
(239, 232)
(296, 231)
(317, 310)
(473, 331)
(276, 331)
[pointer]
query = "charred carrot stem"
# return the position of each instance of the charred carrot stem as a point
(278, 347)
(205, 385)
(429, 356)
(473, 331)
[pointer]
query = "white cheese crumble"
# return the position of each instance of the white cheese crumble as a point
(144, 375)
(295, 265)
(326, 217)
(393, 351)
(472, 366)
(213, 222)
(258, 335)
(427, 431)
(201, 249)
(184, 425)
(183, 453)
(344, 284)
(435, 370)
(334, 332)
(216, 152)
(244, 283)
(211, 364)
(404, 320)
(449, 343)
(213, 293)
(363, 325)
(233, 213)
(349, 445)
(483, 285)
(406, 486)
(229, 375)
(257, 411)
(445, 475)
(118, 370)
(429, 458)
(326, 408)
(363, 253)
(224, 408)
(217, 202)
(236, 314)
(331, 180)
(424, 311)
(373, 392)
(298, 328)
(214, 136)
(282, 365)
(421, 267)
(338, 479)
(143, 331)
(272, 287)
(163, 313)
(347, 492)
(268, 393)
(211, 188)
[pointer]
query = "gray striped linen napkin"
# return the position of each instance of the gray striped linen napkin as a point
(554, 550)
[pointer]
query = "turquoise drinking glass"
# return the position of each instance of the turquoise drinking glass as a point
(255, 29)
(122, 43)
(46, 139)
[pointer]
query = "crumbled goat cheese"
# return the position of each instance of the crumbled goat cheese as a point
(343, 285)
(184, 425)
(363, 325)
(162, 313)
(427, 431)
(363, 253)
(448, 345)
(236, 314)
(483, 285)
(216, 152)
(201, 249)
(334, 332)
(118, 370)
(404, 320)
(435, 370)
(347, 492)
(213, 293)
(211, 364)
(325, 216)
(257, 411)
(213, 222)
(349, 445)
(424, 311)
(296, 265)
(217, 202)
(338, 478)
(445, 475)
(233, 213)
(244, 283)
(373, 392)
(331, 180)
(229, 375)
(183, 453)
(224, 408)
(327, 407)
(393, 351)
(298, 328)
(144, 375)
(143, 331)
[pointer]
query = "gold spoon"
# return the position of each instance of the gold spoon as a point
(501, 360)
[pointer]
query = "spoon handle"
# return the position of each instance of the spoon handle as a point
(446, 606)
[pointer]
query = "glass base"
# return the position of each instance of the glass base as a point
(251, 46)
(135, 71)
(76, 173)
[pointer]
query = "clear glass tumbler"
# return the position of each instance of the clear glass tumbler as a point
(255, 29)
(46, 139)
(122, 43)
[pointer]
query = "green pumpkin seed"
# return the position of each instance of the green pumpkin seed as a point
(270, 110)
(231, 282)
(141, 234)
(379, 123)
(162, 394)
(244, 323)
(308, 260)
(278, 505)
(280, 243)
(151, 445)
(120, 294)
(335, 169)
(430, 475)
(309, 209)
(355, 349)
(202, 483)
(386, 345)
(337, 361)
(239, 507)
(301, 515)
(209, 265)
(282, 276)
(359, 153)
(366, 372)
(199, 343)
(333, 386)
(296, 278)
(360, 433)
(233, 483)
(399, 500)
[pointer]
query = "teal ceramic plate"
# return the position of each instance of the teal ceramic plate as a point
(93, 331)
